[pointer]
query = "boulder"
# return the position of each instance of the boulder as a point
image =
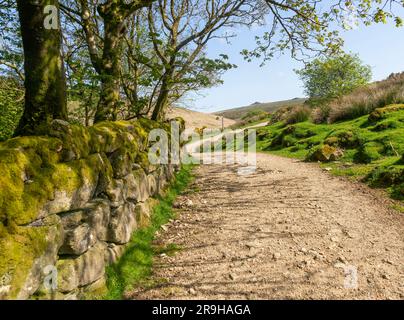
(121, 162)
(152, 183)
(84, 227)
(68, 279)
(83, 270)
(143, 160)
(115, 192)
(132, 189)
(98, 212)
(75, 185)
(97, 288)
(143, 184)
(52, 242)
(77, 240)
(122, 223)
(324, 153)
(114, 252)
(143, 213)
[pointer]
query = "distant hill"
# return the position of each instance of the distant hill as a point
(238, 113)
(195, 119)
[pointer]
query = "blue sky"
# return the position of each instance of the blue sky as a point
(380, 46)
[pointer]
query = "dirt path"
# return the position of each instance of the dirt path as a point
(288, 231)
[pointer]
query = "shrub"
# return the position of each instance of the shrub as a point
(365, 99)
(320, 114)
(298, 114)
(281, 114)
(390, 176)
(11, 106)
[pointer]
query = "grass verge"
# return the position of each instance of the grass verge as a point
(135, 265)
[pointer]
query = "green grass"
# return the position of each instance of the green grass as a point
(372, 148)
(398, 207)
(135, 266)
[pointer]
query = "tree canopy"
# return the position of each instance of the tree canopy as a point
(325, 79)
(122, 59)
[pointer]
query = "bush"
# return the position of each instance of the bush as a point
(298, 114)
(11, 106)
(388, 177)
(281, 114)
(320, 114)
(364, 100)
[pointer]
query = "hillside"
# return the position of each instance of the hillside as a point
(195, 119)
(370, 147)
(238, 113)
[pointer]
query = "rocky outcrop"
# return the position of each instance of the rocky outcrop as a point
(324, 153)
(69, 203)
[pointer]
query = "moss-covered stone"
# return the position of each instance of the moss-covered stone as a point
(24, 252)
(42, 178)
(343, 139)
(142, 159)
(122, 161)
(380, 113)
(143, 213)
(52, 189)
(76, 139)
(82, 270)
(324, 153)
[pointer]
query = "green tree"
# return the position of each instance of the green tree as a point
(180, 31)
(310, 28)
(325, 79)
(103, 26)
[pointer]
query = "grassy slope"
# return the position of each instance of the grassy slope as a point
(239, 113)
(135, 266)
(370, 148)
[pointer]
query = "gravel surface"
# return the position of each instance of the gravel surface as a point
(288, 231)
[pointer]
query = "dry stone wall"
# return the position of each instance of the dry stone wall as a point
(69, 202)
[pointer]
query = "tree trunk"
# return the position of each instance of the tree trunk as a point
(45, 82)
(114, 27)
(161, 103)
